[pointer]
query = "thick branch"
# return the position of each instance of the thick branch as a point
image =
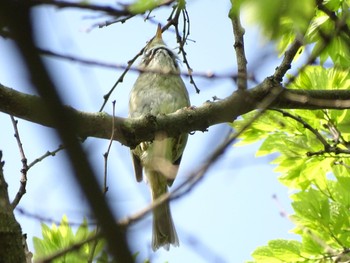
(132, 131)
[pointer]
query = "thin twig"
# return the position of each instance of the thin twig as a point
(327, 147)
(104, 187)
(82, 6)
(90, 62)
(92, 7)
(106, 154)
(109, 22)
(45, 155)
(286, 63)
(311, 59)
(120, 79)
(24, 170)
(39, 217)
(325, 144)
(181, 40)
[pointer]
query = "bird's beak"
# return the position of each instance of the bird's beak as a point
(159, 32)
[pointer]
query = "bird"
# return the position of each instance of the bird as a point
(158, 90)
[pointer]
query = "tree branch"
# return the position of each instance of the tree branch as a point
(286, 63)
(238, 32)
(92, 7)
(22, 189)
(131, 132)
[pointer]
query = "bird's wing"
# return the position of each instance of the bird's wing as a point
(137, 167)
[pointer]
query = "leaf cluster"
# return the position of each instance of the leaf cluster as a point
(312, 146)
(321, 25)
(61, 237)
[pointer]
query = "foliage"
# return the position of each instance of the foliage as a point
(61, 237)
(312, 145)
(285, 21)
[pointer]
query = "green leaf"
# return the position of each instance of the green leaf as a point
(318, 77)
(141, 6)
(279, 251)
(281, 17)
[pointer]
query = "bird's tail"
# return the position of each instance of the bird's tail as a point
(164, 232)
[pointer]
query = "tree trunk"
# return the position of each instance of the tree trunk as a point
(11, 247)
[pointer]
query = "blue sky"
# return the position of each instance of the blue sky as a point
(227, 215)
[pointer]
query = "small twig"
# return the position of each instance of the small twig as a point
(311, 59)
(24, 170)
(181, 40)
(81, 5)
(104, 187)
(45, 155)
(120, 79)
(39, 217)
(186, 34)
(286, 63)
(109, 22)
(106, 154)
(326, 145)
(335, 150)
(207, 75)
(238, 32)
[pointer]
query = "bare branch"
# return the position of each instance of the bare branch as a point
(25, 168)
(45, 155)
(39, 217)
(105, 155)
(128, 66)
(182, 41)
(92, 7)
(120, 79)
(82, 6)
